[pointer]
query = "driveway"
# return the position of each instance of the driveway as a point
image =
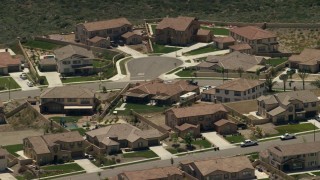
(53, 79)
(22, 83)
(132, 52)
(315, 122)
(217, 140)
(162, 152)
(87, 165)
(147, 68)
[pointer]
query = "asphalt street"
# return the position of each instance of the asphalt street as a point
(196, 156)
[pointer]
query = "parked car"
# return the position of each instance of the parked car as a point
(248, 142)
(287, 136)
(113, 44)
(292, 71)
(23, 76)
(121, 43)
(30, 84)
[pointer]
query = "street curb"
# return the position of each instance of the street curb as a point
(83, 82)
(17, 89)
(132, 162)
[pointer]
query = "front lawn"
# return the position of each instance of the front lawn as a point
(41, 45)
(316, 173)
(186, 73)
(153, 27)
(123, 65)
(67, 119)
(295, 128)
(141, 108)
(217, 31)
(157, 48)
(202, 143)
(276, 61)
(12, 149)
(6, 82)
(301, 176)
(235, 139)
(174, 70)
(60, 169)
(202, 50)
(80, 79)
(100, 63)
(144, 154)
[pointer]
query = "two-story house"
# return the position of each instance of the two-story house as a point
(177, 31)
(232, 168)
(235, 90)
(204, 115)
(68, 99)
(54, 148)
(74, 60)
(288, 106)
(307, 61)
(96, 33)
(293, 157)
(253, 40)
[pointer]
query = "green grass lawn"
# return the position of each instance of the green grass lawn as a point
(186, 73)
(172, 150)
(144, 154)
(68, 119)
(254, 155)
(80, 79)
(6, 82)
(217, 31)
(295, 128)
(12, 149)
(157, 48)
(202, 50)
(100, 63)
(61, 169)
(174, 70)
(140, 108)
(203, 143)
(80, 130)
(235, 139)
(41, 45)
(153, 27)
(276, 61)
(316, 173)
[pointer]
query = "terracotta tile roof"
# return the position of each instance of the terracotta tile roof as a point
(72, 136)
(295, 149)
(185, 126)
(227, 164)
(268, 99)
(50, 61)
(67, 92)
(70, 50)
(198, 110)
(39, 145)
(179, 24)
(240, 47)
(128, 35)
(276, 111)
(304, 96)
(239, 84)
(253, 33)
(307, 57)
(223, 122)
(155, 173)
(228, 39)
(108, 24)
(203, 32)
(7, 60)
(97, 39)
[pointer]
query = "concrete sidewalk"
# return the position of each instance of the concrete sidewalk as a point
(132, 52)
(185, 49)
(162, 152)
(217, 140)
(120, 75)
(87, 165)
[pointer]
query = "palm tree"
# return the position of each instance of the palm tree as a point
(316, 83)
(240, 71)
(284, 78)
(270, 83)
(303, 75)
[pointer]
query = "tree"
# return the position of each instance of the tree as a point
(272, 71)
(188, 138)
(270, 83)
(240, 71)
(284, 78)
(174, 138)
(303, 75)
(316, 83)
(104, 89)
(222, 73)
(258, 72)
(171, 161)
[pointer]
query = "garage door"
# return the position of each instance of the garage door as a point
(153, 142)
(310, 114)
(77, 154)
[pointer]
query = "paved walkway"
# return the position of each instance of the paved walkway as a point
(162, 152)
(132, 52)
(87, 165)
(185, 49)
(6, 176)
(120, 75)
(315, 122)
(217, 140)
(121, 108)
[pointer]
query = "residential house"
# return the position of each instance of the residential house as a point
(225, 127)
(2, 114)
(204, 35)
(177, 31)
(3, 159)
(232, 63)
(233, 168)
(235, 90)
(288, 106)
(47, 63)
(162, 173)
(111, 138)
(259, 40)
(9, 64)
(74, 60)
(293, 157)
(53, 148)
(223, 42)
(131, 38)
(186, 128)
(68, 99)
(160, 92)
(93, 32)
(204, 115)
(308, 60)
(243, 48)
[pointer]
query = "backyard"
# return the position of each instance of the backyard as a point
(217, 31)
(41, 45)
(157, 48)
(6, 82)
(140, 108)
(12, 149)
(67, 119)
(202, 50)
(276, 61)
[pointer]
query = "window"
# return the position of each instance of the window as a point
(312, 154)
(305, 105)
(123, 29)
(109, 31)
(72, 100)
(65, 62)
(246, 173)
(313, 104)
(226, 176)
(253, 90)
(233, 175)
(76, 62)
(237, 93)
(217, 90)
(226, 92)
(85, 101)
(290, 109)
(226, 99)
(259, 41)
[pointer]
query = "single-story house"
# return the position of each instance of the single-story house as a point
(225, 127)
(131, 38)
(204, 35)
(308, 60)
(223, 42)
